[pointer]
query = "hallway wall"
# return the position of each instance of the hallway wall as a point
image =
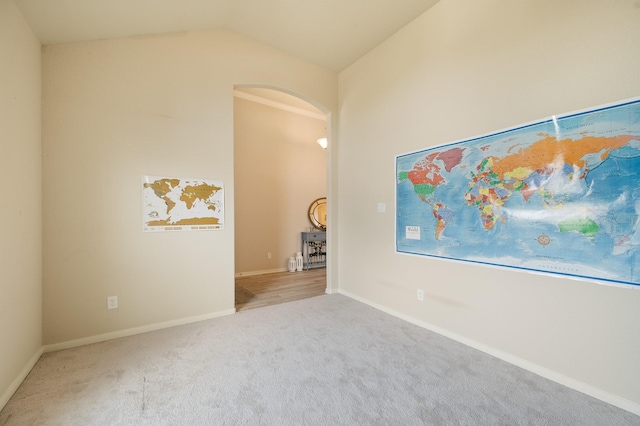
(279, 171)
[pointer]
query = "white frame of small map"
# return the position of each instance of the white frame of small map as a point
(181, 204)
(558, 196)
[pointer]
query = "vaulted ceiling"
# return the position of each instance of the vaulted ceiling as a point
(330, 33)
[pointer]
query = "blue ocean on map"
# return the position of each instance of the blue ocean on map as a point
(559, 196)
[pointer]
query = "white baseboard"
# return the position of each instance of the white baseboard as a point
(577, 385)
(267, 271)
(13, 387)
(133, 331)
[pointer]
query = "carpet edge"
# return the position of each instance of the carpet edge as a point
(133, 331)
(547, 373)
(13, 387)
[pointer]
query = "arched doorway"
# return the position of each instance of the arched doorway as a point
(279, 170)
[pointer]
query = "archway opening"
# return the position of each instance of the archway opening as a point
(279, 171)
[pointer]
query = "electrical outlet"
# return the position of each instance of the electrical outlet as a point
(421, 295)
(112, 302)
(269, 255)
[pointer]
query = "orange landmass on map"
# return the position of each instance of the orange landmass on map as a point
(190, 221)
(549, 150)
(202, 192)
(426, 172)
(161, 188)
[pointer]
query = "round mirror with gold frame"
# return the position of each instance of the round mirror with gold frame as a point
(318, 213)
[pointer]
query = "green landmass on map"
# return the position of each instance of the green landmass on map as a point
(583, 225)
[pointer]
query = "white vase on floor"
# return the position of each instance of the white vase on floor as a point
(299, 261)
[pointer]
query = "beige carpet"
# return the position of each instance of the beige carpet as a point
(327, 360)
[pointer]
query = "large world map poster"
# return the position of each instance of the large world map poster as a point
(559, 196)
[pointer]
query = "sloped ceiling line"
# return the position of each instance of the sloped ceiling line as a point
(330, 33)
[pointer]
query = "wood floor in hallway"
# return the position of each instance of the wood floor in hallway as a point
(255, 291)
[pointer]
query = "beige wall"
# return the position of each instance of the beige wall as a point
(463, 69)
(118, 109)
(21, 212)
(279, 171)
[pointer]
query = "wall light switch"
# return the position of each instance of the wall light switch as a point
(382, 207)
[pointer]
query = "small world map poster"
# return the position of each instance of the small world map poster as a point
(178, 204)
(558, 196)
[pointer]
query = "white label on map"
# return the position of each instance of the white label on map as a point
(413, 232)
